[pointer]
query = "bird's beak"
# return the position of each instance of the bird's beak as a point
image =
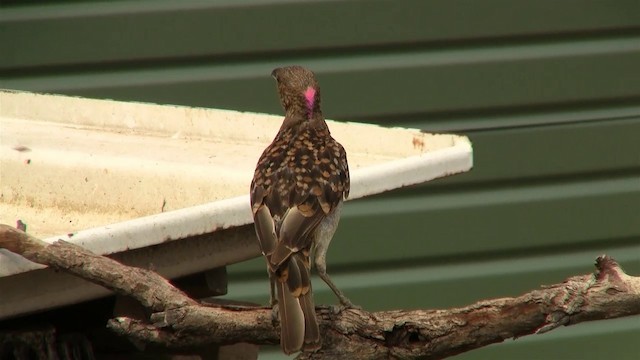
(274, 73)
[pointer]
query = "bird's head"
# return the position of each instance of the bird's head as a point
(299, 91)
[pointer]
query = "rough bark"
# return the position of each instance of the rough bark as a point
(178, 321)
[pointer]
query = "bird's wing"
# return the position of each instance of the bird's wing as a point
(344, 166)
(294, 232)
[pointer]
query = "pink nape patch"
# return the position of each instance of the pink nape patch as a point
(310, 95)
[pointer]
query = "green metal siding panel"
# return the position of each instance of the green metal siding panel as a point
(578, 150)
(430, 82)
(548, 92)
(126, 30)
(500, 220)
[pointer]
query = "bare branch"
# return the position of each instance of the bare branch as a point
(150, 289)
(180, 322)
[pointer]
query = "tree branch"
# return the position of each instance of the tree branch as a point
(150, 289)
(179, 321)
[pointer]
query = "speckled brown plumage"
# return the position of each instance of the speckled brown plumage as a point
(297, 191)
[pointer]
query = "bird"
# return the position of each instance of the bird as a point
(299, 184)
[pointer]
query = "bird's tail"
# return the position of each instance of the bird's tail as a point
(298, 323)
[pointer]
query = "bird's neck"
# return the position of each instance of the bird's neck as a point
(298, 122)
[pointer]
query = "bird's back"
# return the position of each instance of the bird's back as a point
(304, 169)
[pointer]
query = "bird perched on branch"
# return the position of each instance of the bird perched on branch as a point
(296, 194)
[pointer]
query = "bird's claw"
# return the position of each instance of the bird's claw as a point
(347, 304)
(336, 309)
(275, 314)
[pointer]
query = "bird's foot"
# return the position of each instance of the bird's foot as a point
(275, 314)
(344, 305)
(347, 304)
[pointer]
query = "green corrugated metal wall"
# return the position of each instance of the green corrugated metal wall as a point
(548, 91)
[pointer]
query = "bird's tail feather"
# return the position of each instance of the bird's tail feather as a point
(311, 330)
(298, 323)
(291, 319)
